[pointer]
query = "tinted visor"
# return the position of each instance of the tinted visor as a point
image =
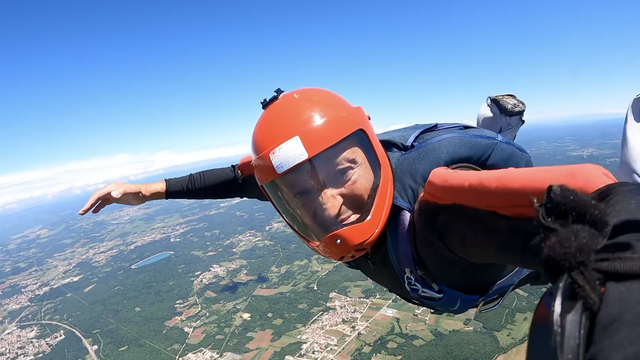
(329, 191)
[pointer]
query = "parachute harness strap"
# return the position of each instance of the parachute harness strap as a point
(401, 256)
(416, 289)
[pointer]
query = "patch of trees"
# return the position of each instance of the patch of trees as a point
(457, 345)
(283, 306)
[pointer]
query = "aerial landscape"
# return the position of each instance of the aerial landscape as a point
(100, 259)
(227, 279)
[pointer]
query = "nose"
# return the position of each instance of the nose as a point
(330, 203)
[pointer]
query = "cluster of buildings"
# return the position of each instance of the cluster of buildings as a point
(340, 321)
(24, 344)
(204, 354)
(215, 270)
(31, 288)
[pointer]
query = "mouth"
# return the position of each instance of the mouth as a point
(348, 218)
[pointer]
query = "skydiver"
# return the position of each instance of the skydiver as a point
(359, 198)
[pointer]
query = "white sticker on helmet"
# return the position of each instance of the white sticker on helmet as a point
(289, 154)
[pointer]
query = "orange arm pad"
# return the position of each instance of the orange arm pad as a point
(244, 166)
(510, 191)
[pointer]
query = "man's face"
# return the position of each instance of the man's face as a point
(333, 188)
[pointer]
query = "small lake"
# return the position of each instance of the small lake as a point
(152, 259)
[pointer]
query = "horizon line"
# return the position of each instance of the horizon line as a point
(18, 189)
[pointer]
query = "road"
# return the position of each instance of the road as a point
(355, 333)
(84, 341)
(315, 286)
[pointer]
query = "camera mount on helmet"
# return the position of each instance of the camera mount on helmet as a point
(265, 103)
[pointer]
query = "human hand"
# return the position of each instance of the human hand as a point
(119, 193)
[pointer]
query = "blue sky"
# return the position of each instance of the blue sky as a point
(87, 86)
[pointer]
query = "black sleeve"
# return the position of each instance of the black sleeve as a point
(470, 250)
(220, 183)
(481, 236)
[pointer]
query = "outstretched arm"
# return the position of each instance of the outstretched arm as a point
(490, 216)
(221, 183)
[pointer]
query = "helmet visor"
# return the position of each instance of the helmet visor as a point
(329, 191)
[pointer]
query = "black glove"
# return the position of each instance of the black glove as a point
(591, 251)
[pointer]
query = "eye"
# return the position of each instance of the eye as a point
(342, 176)
(302, 194)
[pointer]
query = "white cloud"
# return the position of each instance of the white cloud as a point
(87, 175)
(76, 177)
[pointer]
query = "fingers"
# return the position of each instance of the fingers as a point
(101, 195)
(101, 205)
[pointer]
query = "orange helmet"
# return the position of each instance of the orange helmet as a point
(318, 160)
